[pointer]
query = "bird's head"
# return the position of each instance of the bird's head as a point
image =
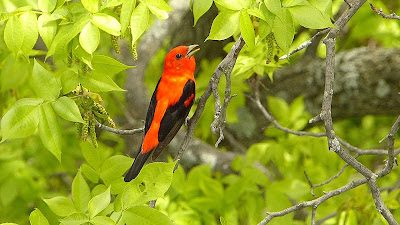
(181, 59)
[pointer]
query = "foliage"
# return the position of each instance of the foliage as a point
(51, 95)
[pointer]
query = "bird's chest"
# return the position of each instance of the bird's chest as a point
(171, 89)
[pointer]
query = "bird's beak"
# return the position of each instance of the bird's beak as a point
(192, 49)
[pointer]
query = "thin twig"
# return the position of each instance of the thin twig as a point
(305, 44)
(384, 15)
(117, 131)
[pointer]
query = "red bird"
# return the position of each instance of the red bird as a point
(169, 105)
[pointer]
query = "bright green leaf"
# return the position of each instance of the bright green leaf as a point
(114, 167)
(152, 182)
(47, 29)
(44, 82)
(310, 17)
(143, 215)
(160, 4)
(67, 109)
(230, 4)
(64, 36)
(102, 220)
(291, 3)
(21, 120)
(107, 65)
(257, 13)
(80, 192)
(30, 28)
(49, 131)
(69, 81)
(107, 23)
(90, 173)
(126, 12)
(37, 218)
(91, 5)
(98, 82)
(47, 5)
(61, 206)
(89, 38)
(283, 29)
(99, 202)
(200, 7)
(274, 6)
(246, 28)
(161, 14)
(91, 155)
(224, 25)
(75, 219)
(263, 29)
(14, 72)
(139, 21)
(13, 34)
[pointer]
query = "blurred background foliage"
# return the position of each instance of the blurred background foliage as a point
(29, 173)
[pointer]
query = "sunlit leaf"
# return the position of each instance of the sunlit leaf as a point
(139, 21)
(107, 23)
(67, 109)
(140, 215)
(89, 38)
(37, 218)
(30, 28)
(47, 29)
(47, 5)
(107, 65)
(99, 202)
(99, 82)
(61, 206)
(14, 34)
(126, 12)
(49, 130)
(224, 25)
(200, 7)
(246, 28)
(283, 29)
(21, 120)
(44, 82)
(80, 192)
(310, 17)
(91, 5)
(114, 167)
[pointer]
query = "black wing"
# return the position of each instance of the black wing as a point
(174, 117)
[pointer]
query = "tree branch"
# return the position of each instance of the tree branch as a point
(384, 15)
(117, 131)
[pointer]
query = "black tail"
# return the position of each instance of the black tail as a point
(136, 166)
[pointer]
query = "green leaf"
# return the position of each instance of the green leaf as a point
(47, 28)
(89, 38)
(107, 23)
(102, 220)
(37, 218)
(152, 182)
(13, 34)
(44, 82)
(257, 13)
(263, 29)
(91, 5)
(90, 173)
(246, 28)
(291, 3)
(230, 4)
(80, 192)
(139, 21)
(126, 12)
(274, 6)
(107, 65)
(278, 107)
(49, 131)
(8, 191)
(91, 155)
(19, 69)
(98, 82)
(144, 215)
(47, 5)
(114, 167)
(64, 36)
(283, 29)
(224, 25)
(67, 109)
(310, 17)
(29, 24)
(61, 206)
(161, 14)
(99, 202)
(158, 8)
(22, 119)
(69, 80)
(75, 219)
(200, 7)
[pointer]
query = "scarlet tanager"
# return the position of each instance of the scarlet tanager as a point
(169, 105)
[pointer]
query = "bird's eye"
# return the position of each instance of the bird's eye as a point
(178, 56)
